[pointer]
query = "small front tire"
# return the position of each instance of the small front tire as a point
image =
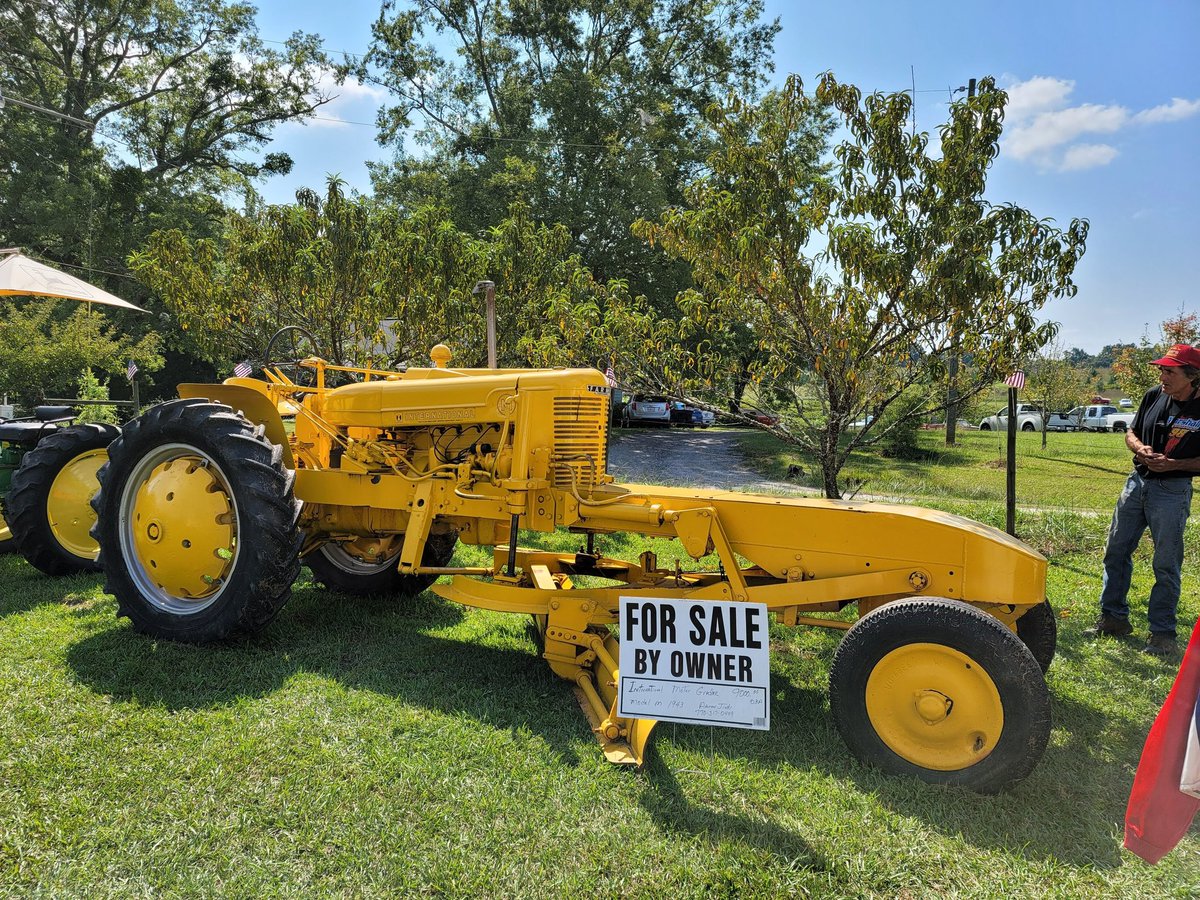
(937, 689)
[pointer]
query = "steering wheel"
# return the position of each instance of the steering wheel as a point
(286, 348)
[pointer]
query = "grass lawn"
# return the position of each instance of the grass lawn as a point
(1077, 470)
(360, 748)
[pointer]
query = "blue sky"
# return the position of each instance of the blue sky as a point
(1103, 122)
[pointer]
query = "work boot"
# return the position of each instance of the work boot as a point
(1161, 645)
(1109, 626)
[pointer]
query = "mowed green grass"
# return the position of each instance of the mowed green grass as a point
(1076, 470)
(374, 749)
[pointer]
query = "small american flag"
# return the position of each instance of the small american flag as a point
(243, 369)
(610, 376)
(131, 370)
(1015, 380)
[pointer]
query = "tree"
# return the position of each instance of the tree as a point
(184, 87)
(1131, 364)
(376, 285)
(591, 112)
(912, 254)
(1055, 380)
(46, 346)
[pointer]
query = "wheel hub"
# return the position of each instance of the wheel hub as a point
(934, 706)
(183, 528)
(68, 504)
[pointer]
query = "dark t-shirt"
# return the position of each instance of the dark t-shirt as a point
(1168, 427)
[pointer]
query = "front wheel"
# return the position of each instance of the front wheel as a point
(937, 689)
(49, 506)
(1028, 426)
(352, 568)
(984, 426)
(197, 523)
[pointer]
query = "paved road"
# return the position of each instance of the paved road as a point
(688, 458)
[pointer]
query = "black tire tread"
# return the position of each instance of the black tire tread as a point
(268, 509)
(987, 640)
(25, 504)
(1038, 630)
(439, 549)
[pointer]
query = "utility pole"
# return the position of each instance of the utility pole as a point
(952, 366)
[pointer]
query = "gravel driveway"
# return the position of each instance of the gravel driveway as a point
(688, 458)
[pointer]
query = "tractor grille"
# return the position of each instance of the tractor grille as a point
(580, 434)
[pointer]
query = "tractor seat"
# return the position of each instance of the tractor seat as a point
(53, 413)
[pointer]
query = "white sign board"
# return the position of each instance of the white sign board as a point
(699, 662)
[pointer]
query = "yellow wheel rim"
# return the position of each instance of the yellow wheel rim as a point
(69, 507)
(182, 524)
(934, 706)
(5, 533)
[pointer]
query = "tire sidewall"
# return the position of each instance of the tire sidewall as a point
(244, 587)
(1008, 662)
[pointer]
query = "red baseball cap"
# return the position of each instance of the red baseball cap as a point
(1180, 355)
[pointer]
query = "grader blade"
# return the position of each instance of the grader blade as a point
(624, 741)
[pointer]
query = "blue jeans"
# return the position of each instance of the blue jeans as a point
(1162, 504)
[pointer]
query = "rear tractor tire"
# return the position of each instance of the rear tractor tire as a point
(342, 567)
(48, 509)
(937, 689)
(197, 523)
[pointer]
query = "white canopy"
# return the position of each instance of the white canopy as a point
(21, 275)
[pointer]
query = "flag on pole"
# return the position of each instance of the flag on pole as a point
(131, 370)
(1015, 380)
(610, 376)
(243, 369)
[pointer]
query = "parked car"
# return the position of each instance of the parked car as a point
(1125, 403)
(1028, 419)
(689, 416)
(1106, 418)
(1068, 421)
(646, 409)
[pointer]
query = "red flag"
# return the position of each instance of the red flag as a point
(610, 377)
(1015, 380)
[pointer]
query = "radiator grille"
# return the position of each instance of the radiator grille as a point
(580, 433)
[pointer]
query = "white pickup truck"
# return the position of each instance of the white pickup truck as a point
(1103, 418)
(1029, 418)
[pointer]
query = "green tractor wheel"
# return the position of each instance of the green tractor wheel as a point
(197, 523)
(350, 567)
(48, 507)
(937, 689)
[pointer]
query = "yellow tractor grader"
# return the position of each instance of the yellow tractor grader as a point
(208, 505)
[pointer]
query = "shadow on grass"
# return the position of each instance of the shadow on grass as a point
(26, 588)
(365, 644)
(1067, 810)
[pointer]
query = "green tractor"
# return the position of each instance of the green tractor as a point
(47, 478)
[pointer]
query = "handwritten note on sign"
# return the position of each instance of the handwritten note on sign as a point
(694, 661)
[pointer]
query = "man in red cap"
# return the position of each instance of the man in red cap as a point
(1165, 442)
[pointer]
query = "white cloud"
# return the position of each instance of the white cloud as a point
(1087, 156)
(1177, 109)
(1038, 94)
(1043, 129)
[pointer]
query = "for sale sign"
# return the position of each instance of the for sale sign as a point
(695, 661)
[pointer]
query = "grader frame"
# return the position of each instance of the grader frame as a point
(941, 676)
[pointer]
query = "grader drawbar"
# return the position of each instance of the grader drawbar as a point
(208, 505)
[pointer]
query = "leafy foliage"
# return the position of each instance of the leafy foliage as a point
(46, 345)
(1131, 367)
(92, 388)
(589, 112)
(914, 261)
(376, 286)
(1059, 385)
